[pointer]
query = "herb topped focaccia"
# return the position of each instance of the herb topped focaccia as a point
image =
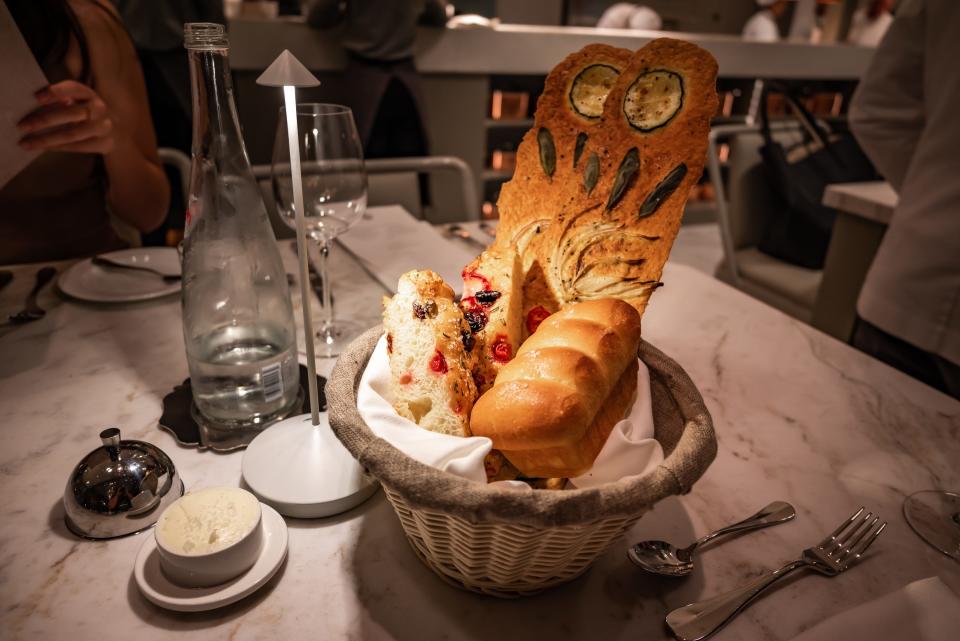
(544, 182)
(601, 181)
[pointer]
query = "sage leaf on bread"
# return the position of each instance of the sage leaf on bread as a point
(578, 148)
(548, 152)
(625, 173)
(591, 172)
(663, 190)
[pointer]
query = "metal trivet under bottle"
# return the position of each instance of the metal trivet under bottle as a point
(191, 429)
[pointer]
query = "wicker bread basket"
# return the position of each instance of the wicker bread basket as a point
(510, 543)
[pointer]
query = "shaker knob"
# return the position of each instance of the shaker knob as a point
(110, 438)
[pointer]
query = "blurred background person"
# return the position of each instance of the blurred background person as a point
(762, 26)
(156, 28)
(869, 23)
(626, 15)
(92, 125)
(904, 114)
(380, 83)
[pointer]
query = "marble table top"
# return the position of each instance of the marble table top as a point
(874, 200)
(799, 417)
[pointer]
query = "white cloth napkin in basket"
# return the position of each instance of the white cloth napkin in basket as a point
(631, 449)
(925, 610)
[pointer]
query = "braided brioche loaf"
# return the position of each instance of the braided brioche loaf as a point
(553, 406)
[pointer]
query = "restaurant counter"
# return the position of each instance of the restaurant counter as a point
(534, 50)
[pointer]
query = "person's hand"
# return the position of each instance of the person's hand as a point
(71, 117)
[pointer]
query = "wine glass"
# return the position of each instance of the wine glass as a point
(334, 196)
(935, 516)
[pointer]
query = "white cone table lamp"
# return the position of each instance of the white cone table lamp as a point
(298, 466)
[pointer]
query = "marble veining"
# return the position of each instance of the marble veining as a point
(799, 417)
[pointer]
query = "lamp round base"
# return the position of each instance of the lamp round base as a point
(303, 471)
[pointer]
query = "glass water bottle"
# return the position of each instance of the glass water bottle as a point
(237, 319)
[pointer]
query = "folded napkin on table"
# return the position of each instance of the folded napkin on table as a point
(631, 449)
(391, 242)
(925, 610)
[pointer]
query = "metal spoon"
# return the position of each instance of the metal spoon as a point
(106, 262)
(31, 311)
(660, 557)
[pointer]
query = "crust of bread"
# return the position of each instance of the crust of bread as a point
(581, 249)
(546, 484)
(498, 468)
(576, 458)
(436, 401)
(548, 409)
(530, 196)
(502, 270)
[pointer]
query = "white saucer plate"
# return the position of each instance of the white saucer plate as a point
(89, 282)
(158, 589)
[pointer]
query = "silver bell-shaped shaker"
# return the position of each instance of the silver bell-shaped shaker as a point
(120, 488)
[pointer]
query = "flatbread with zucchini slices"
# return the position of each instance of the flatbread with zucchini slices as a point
(598, 194)
(550, 163)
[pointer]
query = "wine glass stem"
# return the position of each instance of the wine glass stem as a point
(326, 316)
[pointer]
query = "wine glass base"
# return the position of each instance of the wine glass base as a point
(935, 516)
(331, 339)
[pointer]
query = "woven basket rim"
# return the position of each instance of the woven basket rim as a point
(427, 488)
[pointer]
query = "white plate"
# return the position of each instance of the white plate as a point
(90, 282)
(158, 589)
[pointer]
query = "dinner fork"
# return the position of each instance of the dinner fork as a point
(31, 311)
(830, 557)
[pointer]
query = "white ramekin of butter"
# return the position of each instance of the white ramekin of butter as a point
(210, 536)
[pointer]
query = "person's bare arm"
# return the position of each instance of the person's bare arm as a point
(111, 118)
(886, 114)
(139, 192)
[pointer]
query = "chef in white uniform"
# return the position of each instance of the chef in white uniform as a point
(904, 114)
(627, 15)
(762, 26)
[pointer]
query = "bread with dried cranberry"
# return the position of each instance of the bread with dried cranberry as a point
(492, 305)
(429, 341)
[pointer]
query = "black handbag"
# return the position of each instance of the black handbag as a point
(800, 232)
